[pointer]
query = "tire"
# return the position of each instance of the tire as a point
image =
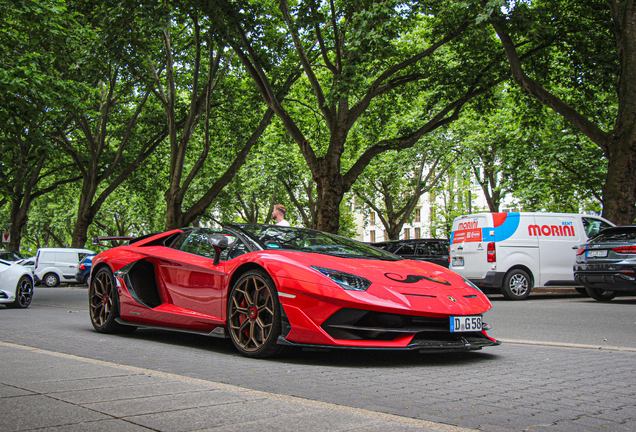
(582, 291)
(517, 285)
(600, 294)
(103, 302)
(51, 280)
(254, 316)
(23, 294)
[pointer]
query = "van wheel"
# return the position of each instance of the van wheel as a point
(581, 291)
(51, 280)
(517, 285)
(601, 294)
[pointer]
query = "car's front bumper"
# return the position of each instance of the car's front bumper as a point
(471, 342)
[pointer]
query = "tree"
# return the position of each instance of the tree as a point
(393, 184)
(589, 78)
(191, 80)
(39, 39)
(449, 200)
(356, 57)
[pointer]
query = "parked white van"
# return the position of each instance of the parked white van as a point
(513, 252)
(55, 265)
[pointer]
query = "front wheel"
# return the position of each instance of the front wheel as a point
(23, 293)
(600, 294)
(254, 317)
(517, 285)
(104, 303)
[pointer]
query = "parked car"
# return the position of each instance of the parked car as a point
(27, 262)
(10, 256)
(606, 265)
(430, 250)
(84, 269)
(55, 265)
(16, 285)
(509, 253)
(267, 288)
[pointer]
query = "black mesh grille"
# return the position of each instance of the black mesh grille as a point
(355, 324)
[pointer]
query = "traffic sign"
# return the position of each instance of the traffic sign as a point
(6, 237)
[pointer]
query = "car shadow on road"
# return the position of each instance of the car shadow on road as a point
(349, 358)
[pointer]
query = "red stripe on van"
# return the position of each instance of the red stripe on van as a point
(499, 218)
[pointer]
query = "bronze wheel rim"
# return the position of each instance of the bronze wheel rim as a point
(251, 313)
(101, 298)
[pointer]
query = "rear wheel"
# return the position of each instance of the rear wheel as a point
(51, 280)
(23, 293)
(254, 317)
(104, 303)
(517, 285)
(581, 291)
(601, 294)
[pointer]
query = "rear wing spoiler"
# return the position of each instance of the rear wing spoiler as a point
(97, 240)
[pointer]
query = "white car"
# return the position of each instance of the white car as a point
(16, 285)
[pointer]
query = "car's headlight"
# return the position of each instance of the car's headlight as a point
(346, 280)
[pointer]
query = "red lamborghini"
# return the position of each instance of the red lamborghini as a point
(268, 287)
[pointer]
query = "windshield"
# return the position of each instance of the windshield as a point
(307, 240)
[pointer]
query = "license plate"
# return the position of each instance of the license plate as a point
(465, 323)
(596, 253)
(458, 261)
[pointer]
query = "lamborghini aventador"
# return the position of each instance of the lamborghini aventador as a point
(269, 287)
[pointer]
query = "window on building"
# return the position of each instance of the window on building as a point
(407, 233)
(372, 236)
(417, 215)
(372, 218)
(418, 233)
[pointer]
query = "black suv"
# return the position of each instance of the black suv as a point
(606, 265)
(431, 250)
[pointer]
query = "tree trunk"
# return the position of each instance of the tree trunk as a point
(80, 231)
(330, 190)
(18, 221)
(174, 214)
(393, 232)
(619, 192)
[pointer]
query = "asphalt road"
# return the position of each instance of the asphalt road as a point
(565, 319)
(561, 381)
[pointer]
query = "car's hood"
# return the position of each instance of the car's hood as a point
(404, 284)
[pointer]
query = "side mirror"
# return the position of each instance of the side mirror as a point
(219, 243)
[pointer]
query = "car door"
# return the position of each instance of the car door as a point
(558, 234)
(189, 276)
(66, 263)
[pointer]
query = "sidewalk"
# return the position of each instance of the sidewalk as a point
(59, 392)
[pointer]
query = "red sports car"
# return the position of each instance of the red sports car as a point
(269, 287)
